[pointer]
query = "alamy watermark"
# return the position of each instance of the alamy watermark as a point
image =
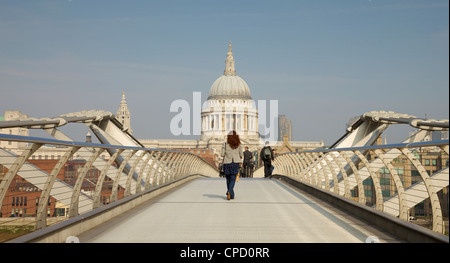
(188, 120)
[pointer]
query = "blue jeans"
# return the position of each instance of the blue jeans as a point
(231, 171)
(231, 180)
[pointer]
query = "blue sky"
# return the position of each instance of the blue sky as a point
(324, 61)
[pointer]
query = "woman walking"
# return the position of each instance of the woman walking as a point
(232, 158)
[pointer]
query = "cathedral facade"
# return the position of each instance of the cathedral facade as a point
(229, 107)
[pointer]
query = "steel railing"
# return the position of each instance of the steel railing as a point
(33, 190)
(392, 178)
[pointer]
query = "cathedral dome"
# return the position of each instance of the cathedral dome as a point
(229, 86)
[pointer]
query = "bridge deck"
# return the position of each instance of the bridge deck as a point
(264, 210)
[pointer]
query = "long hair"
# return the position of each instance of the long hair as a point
(233, 140)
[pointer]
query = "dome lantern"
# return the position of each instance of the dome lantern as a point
(230, 69)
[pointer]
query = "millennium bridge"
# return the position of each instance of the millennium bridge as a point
(143, 194)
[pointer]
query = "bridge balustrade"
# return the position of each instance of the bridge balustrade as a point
(390, 178)
(29, 194)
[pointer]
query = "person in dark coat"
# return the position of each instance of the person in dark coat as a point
(267, 157)
(248, 157)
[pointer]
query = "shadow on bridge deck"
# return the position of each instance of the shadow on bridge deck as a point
(263, 210)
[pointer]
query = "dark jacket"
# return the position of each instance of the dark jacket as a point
(262, 154)
(248, 156)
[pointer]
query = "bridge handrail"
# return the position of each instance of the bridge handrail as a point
(138, 169)
(344, 171)
(384, 146)
(31, 139)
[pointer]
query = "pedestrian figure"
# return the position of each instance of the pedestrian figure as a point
(232, 159)
(267, 157)
(247, 165)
